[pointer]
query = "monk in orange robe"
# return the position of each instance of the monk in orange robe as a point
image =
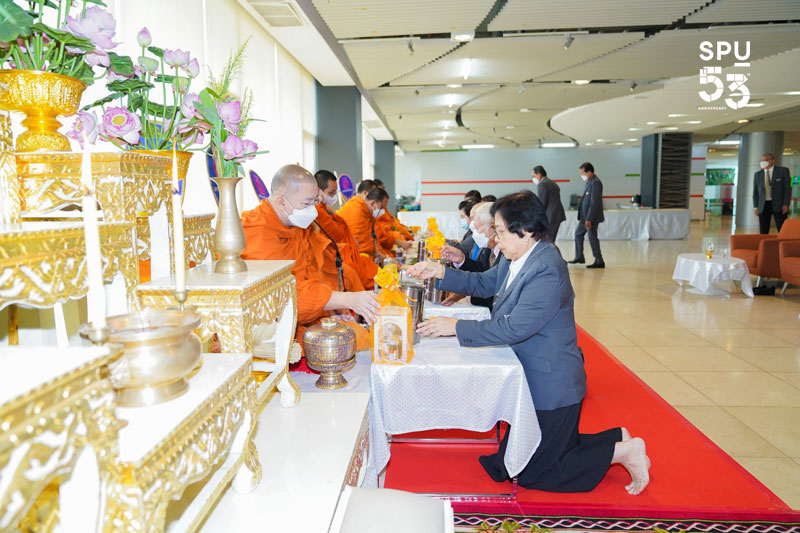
(391, 220)
(279, 228)
(358, 214)
(336, 227)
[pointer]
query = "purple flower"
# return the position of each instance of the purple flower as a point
(231, 115)
(97, 57)
(84, 127)
(97, 25)
(144, 38)
(232, 147)
(187, 107)
(118, 122)
(249, 150)
(192, 68)
(176, 58)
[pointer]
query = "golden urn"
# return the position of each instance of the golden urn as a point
(330, 349)
(42, 96)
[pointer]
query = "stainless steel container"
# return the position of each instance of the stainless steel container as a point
(415, 296)
(432, 294)
(422, 251)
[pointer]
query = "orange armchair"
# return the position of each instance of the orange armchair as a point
(760, 252)
(789, 259)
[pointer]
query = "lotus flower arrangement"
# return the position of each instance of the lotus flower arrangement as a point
(81, 39)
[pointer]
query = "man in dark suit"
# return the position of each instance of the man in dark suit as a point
(590, 215)
(550, 194)
(467, 243)
(772, 192)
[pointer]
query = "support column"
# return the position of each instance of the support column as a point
(384, 169)
(339, 131)
(751, 147)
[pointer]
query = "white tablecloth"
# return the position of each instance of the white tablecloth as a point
(634, 224)
(449, 386)
(703, 273)
(461, 310)
(449, 221)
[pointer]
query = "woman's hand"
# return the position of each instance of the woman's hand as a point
(426, 270)
(453, 298)
(438, 327)
(453, 254)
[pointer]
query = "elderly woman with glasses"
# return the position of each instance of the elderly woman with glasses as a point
(533, 313)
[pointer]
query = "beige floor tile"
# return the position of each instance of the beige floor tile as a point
(609, 337)
(731, 339)
(733, 436)
(673, 389)
(792, 378)
(781, 476)
(771, 359)
(705, 358)
(662, 335)
(743, 388)
(780, 426)
(637, 359)
(790, 334)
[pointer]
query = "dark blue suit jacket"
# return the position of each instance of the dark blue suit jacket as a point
(535, 317)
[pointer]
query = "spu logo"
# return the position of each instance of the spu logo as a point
(739, 94)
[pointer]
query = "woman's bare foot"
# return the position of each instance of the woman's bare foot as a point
(632, 454)
(626, 435)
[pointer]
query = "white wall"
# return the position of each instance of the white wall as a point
(490, 167)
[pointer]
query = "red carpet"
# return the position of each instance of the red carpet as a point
(692, 479)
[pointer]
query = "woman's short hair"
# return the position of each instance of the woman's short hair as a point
(466, 206)
(523, 212)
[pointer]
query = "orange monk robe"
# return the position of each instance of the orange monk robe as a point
(337, 228)
(386, 233)
(405, 233)
(266, 237)
(358, 216)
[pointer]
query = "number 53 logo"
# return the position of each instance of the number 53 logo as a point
(737, 87)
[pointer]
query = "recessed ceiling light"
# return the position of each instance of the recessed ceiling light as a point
(790, 93)
(477, 146)
(619, 143)
(728, 143)
(653, 123)
(742, 121)
(454, 85)
(672, 128)
(635, 129)
(694, 121)
(525, 110)
(676, 115)
(467, 67)
(588, 144)
(464, 36)
(558, 145)
(580, 82)
(631, 140)
(509, 127)
(601, 140)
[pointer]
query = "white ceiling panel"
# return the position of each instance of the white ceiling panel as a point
(429, 99)
(747, 11)
(379, 61)
(514, 59)
(675, 53)
(381, 18)
(571, 14)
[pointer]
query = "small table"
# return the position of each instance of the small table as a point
(460, 310)
(442, 376)
(703, 273)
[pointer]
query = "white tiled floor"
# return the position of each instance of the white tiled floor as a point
(730, 364)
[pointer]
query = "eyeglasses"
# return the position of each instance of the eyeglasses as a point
(317, 200)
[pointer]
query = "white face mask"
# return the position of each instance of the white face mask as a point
(536, 181)
(480, 239)
(302, 218)
(329, 200)
(764, 164)
(584, 177)
(376, 213)
(472, 227)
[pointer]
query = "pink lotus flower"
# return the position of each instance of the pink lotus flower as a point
(187, 107)
(176, 58)
(250, 149)
(84, 128)
(192, 68)
(97, 57)
(97, 25)
(119, 123)
(238, 150)
(231, 115)
(144, 38)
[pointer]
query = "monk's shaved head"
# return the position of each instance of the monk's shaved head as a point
(288, 178)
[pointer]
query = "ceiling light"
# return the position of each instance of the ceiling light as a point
(754, 104)
(588, 144)
(676, 115)
(467, 67)
(454, 85)
(509, 127)
(558, 145)
(410, 48)
(619, 143)
(631, 140)
(462, 36)
(580, 82)
(569, 41)
(525, 110)
(440, 143)
(451, 100)
(600, 140)
(522, 88)
(742, 121)
(635, 129)
(477, 146)
(694, 121)
(672, 128)
(728, 143)
(790, 93)
(653, 123)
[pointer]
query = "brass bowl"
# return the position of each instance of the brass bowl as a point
(42, 96)
(159, 351)
(330, 349)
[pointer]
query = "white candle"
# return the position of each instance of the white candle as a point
(179, 257)
(96, 297)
